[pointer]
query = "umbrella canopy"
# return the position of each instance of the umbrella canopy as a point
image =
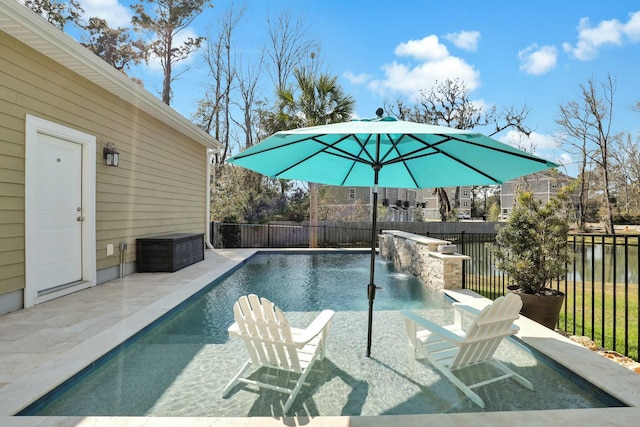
(389, 153)
(408, 155)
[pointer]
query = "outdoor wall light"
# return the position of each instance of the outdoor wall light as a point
(110, 154)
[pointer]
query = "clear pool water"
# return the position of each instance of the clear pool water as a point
(180, 366)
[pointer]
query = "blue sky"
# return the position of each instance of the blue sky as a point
(508, 53)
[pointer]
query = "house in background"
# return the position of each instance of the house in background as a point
(544, 185)
(401, 203)
(65, 214)
(431, 207)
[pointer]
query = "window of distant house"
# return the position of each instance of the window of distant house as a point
(426, 203)
(352, 194)
(465, 203)
(554, 185)
(465, 193)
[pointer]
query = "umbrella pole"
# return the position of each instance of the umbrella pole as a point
(371, 289)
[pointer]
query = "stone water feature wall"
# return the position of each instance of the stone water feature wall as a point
(419, 256)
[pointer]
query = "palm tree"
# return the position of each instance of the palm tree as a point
(316, 99)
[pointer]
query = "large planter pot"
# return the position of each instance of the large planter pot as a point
(541, 308)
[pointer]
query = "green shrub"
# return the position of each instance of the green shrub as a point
(532, 245)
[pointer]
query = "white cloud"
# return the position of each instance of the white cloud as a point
(542, 145)
(409, 80)
(428, 49)
(432, 63)
(112, 11)
(564, 159)
(532, 143)
(538, 60)
(467, 40)
(632, 27)
(543, 141)
(357, 79)
(606, 33)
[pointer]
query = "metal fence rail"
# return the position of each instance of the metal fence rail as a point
(225, 235)
(600, 285)
(602, 298)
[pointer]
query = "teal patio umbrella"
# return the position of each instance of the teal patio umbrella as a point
(387, 152)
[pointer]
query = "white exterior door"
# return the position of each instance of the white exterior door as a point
(59, 212)
(60, 235)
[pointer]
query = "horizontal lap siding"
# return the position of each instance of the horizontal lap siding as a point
(11, 184)
(158, 188)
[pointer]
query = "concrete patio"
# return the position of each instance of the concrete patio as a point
(42, 346)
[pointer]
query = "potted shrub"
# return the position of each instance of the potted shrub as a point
(531, 247)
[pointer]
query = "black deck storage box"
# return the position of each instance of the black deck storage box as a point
(169, 253)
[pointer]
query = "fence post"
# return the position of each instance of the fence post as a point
(324, 234)
(464, 263)
(212, 233)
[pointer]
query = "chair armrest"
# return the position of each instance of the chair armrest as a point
(314, 329)
(234, 330)
(466, 309)
(462, 310)
(433, 327)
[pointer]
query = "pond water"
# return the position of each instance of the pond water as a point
(592, 261)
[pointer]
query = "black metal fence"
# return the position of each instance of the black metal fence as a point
(600, 285)
(224, 235)
(332, 234)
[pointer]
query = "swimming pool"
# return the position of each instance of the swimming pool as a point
(179, 367)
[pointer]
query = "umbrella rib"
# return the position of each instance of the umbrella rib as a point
(497, 181)
(356, 158)
(340, 153)
(465, 141)
(394, 147)
(414, 154)
(245, 155)
(447, 138)
(346, 154)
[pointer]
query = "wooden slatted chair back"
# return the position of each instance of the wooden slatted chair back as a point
(266, 333)
(487, 331)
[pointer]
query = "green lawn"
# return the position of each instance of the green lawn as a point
(583, 314)
(592, 313)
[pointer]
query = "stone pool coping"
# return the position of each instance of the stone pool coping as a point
(36, 356)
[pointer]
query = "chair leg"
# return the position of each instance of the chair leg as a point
(294, 392)
(235, 381)
(522, 380)
(463, 387)
(472, 395)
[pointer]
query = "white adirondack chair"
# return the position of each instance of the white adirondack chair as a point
(272, 343)
(451, 348)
